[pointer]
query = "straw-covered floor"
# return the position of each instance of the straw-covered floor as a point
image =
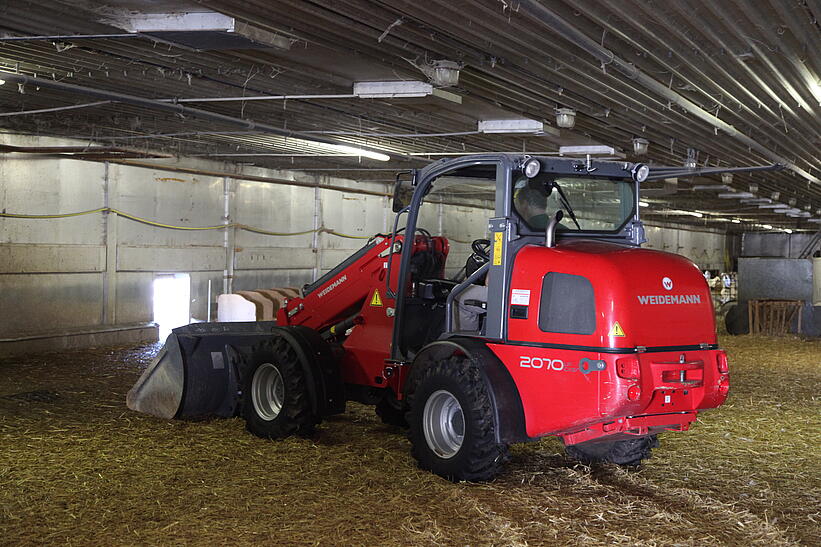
(78, 468)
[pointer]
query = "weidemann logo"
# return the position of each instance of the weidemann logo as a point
(670, 299)
(332, 286)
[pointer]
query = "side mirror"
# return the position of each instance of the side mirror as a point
(403, 191)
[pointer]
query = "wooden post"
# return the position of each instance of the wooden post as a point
(750, 308)
(800, 314)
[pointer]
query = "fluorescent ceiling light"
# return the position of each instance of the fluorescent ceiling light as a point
(792, 211)
(754, 201)
(392, 89)
(735, 195)
(177, 22)
(593, 150)
(735, 221)
(199, 30)
(644, 204)
(511, 126)
(766, 226)
(774, 206)
(711, 187)
(788, 230)
(2, 82)
(359, 152)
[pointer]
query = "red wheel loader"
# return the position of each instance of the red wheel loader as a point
(558, 323)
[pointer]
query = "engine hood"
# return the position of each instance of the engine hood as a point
(640, 297)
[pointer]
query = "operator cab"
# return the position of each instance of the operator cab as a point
(525, 201)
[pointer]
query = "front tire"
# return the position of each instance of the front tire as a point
(276, 403)
(453, 424)
(625, 452)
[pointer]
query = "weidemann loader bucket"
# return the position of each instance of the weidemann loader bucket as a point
(196, 374)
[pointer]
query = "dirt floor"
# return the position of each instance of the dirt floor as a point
(78, 468)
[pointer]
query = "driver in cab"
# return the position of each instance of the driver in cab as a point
(530, 201)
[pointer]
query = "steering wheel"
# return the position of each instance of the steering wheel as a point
(481, 248)
(480, 256)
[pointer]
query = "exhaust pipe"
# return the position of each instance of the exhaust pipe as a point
(550, 233)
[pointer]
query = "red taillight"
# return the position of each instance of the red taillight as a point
(628, 368)
(721, 361)
(634, 392)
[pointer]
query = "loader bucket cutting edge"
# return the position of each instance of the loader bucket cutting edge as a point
(159, 390)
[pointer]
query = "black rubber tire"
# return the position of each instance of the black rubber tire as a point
(480, 457)
(626, 452)
(388, 412)
(736, 319)
(296, 416)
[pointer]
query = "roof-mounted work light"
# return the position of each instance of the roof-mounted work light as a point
(640, 172)
(531, 167)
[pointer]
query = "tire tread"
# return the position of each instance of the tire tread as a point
(486, 457)
(296, 417)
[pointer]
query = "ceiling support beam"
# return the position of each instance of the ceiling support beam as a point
(608, 58)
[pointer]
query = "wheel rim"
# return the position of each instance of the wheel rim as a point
(444, 424)
(267, 391)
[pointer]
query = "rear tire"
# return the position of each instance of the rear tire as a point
(625, 452)
(275, 402)
(453, 423)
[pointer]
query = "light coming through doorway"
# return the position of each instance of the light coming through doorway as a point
(172, 302)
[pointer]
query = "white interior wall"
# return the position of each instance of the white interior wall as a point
(710, 250)
(96, 271)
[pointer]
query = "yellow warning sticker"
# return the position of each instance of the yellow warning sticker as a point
(376, 300)
(617, 330)
(497, 248)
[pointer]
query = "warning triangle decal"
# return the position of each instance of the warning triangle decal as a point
(376, 300)
(617, 330)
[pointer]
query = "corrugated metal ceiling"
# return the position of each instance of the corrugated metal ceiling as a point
(682, 74)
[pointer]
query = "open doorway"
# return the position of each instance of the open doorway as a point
(172, 302)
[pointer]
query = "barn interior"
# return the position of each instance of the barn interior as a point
(158, 155)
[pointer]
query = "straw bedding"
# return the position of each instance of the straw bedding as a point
(77, 467)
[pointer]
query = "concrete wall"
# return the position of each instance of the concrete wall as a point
(710, 250)
(95, 272)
